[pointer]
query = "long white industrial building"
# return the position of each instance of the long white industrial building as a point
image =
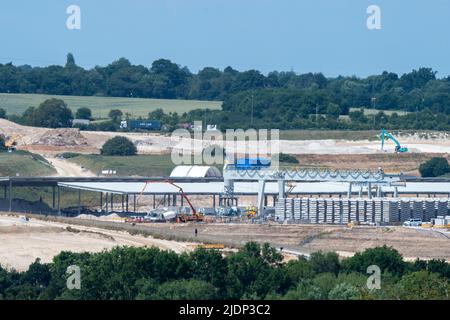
(250, 188)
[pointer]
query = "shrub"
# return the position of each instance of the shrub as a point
(325, 262)
(287, 158)
(388, 259)
(2, 144)
(343, 291)
(434, 167)
(119, 146)
(84, 113)
(52, 113)
(69, 155)
(2, 113)
(422, 285)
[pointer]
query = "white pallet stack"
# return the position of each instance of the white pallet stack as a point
(329, 215)
(305, 209)
(370, 214)
(430, 210)
(393, 211)
(405, 210)
(289, 209)
(417, 209)
(313, 210)
(378, 210)
(442, 207)
(338, 212)
(322, 209)
(298, 208)
(346, 211)
(354, 214)
(362, 210)
(280, 209)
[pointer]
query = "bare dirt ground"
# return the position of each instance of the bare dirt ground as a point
(66, 168)
(23, 242)
(62, 140)
(411, 243)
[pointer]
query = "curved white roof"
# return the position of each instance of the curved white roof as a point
(195, 172)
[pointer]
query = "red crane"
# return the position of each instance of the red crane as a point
(181, 217)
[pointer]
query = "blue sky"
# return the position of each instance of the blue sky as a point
(328, 36)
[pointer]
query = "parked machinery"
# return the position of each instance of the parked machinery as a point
(386, 136)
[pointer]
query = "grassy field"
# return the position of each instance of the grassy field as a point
(100, 106)
(142, 165)
(25, 164)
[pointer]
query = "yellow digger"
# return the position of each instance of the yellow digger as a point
(251, 212)
(11, 142)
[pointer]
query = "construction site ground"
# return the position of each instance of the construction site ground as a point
(25, 241)
(43, 140)
(44, 237)
(330, 153)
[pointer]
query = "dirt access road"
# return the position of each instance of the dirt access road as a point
(65, 168)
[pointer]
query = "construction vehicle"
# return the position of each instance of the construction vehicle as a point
(386, 136)
(251, 212)
(182, 217)
(11, 142)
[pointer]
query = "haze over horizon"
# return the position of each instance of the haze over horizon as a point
(285, 35)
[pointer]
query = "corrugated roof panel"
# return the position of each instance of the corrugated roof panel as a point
(247, 187)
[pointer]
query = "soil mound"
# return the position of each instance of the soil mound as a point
(63, 137)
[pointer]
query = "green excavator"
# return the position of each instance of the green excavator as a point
(386, 136)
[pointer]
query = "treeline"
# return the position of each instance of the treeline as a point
(167, 80)
(283, 100)
(254, 272)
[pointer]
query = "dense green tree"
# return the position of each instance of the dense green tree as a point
(52, 113)
(119, 146)
(191, 289)
(423, 285)
(344, 291)
(84, 113)
(386, 258)
(115, 115)
(305, 290)
(435, 167)
(325, 262)
(284, 100)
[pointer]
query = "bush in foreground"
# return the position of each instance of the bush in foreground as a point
(434, 167)
(253, 272)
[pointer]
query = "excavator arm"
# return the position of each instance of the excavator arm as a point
(386, 135)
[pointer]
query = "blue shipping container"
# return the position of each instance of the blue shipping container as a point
(145, 124)
(252, 163)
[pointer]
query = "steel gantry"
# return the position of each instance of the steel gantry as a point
(364, 179)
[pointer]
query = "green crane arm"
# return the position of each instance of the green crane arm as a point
(385, 133)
